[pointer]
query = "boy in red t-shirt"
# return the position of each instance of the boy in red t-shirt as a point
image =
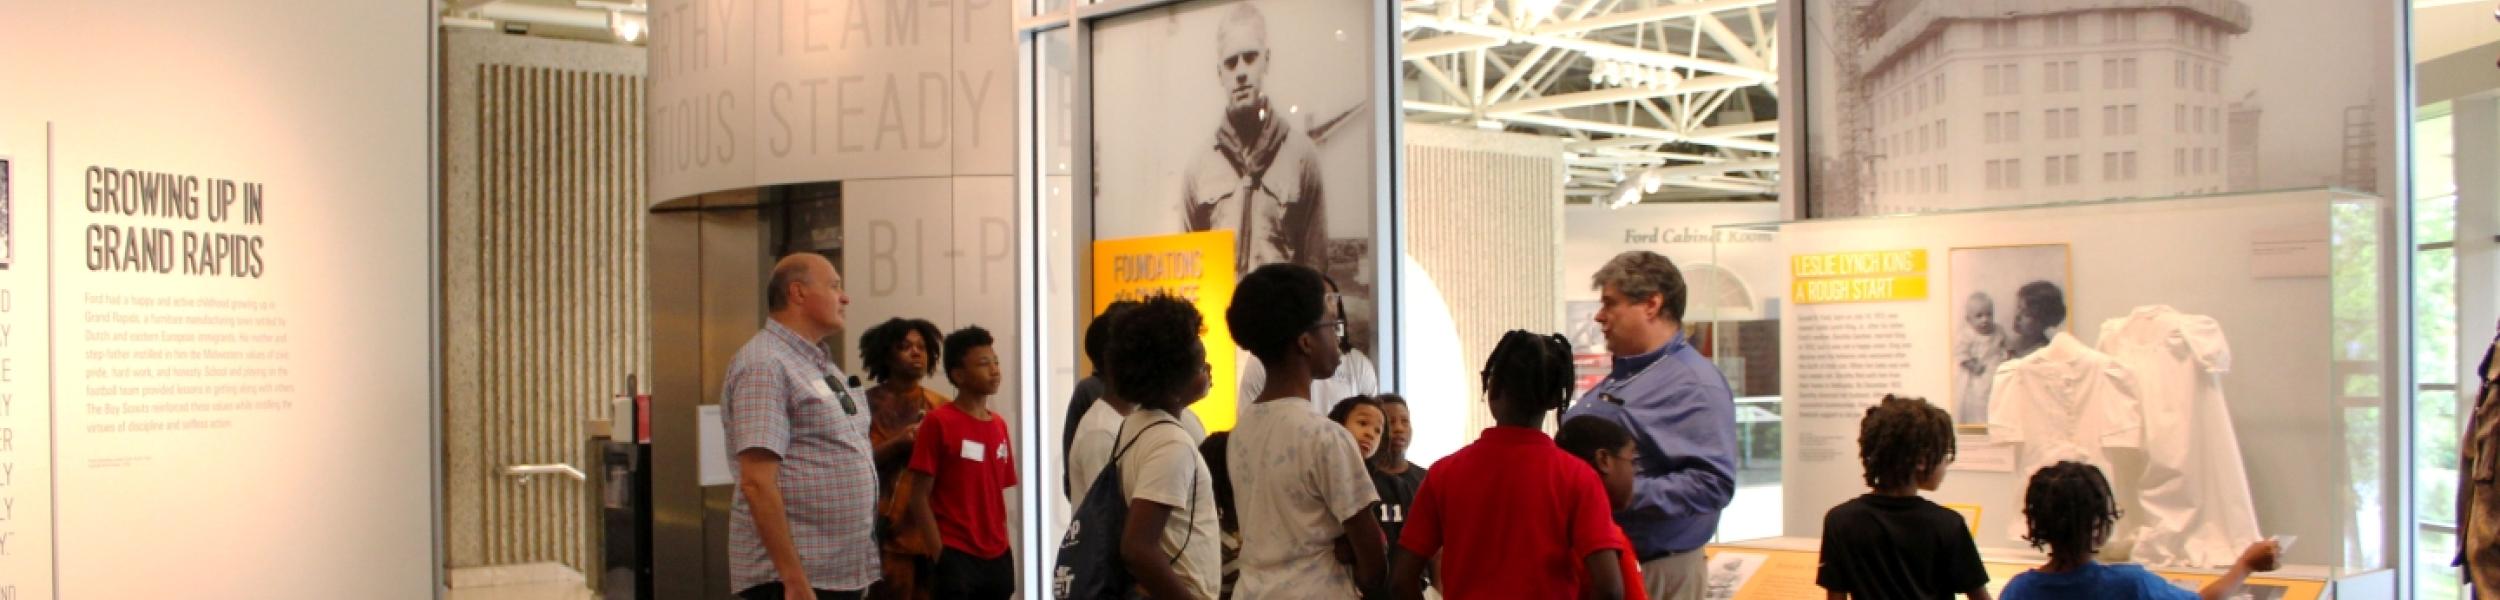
(1605, 445)
(1511, 515)
(960, 471)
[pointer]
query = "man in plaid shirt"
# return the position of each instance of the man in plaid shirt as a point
(800, 522)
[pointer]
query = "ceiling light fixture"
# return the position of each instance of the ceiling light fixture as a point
(1625, 194)
(627, 27)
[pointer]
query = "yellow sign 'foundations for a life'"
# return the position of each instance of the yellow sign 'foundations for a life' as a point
(1841, 277)
(1196, 267)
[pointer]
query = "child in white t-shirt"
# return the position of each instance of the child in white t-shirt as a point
(1170, 542)
(1299, 481)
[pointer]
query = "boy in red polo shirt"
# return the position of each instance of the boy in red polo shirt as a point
(1607, 446)
(960, 471)
(1512, 515)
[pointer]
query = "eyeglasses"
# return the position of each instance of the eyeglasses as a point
(1339, 324)
(1345, 345)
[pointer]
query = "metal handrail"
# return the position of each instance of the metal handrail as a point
(526, 472)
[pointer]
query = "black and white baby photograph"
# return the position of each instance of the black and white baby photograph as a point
(2007, 302)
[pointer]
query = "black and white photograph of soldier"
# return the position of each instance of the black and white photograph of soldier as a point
(1254, 117)
(2008, 302)
(1260, 177)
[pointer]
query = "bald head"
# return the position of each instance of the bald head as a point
(1244, 28)
(798, 268)
(805, 294)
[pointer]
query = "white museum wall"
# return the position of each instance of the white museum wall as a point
(943, 249)
(229, 435)
(1682, 232)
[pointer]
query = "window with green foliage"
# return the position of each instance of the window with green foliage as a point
(2438, 421)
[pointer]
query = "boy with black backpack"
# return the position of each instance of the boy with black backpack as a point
(1162, 542)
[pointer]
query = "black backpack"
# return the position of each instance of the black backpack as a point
(1089, 556)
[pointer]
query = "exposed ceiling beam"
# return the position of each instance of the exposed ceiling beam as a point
(1447, 44)
(1727, 186)
(1727, 40)
(1738, 144)
(1502, 89)
(1434, 73)
(1623, 94)
(1595, 49)
(1434, 107)
(1739, 130)
(1647, 15)
(1645, 132)
(1712, 169)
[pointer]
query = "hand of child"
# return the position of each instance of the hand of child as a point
(2262, 556)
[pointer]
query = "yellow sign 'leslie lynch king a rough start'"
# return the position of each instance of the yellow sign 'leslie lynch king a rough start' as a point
(1842, 277)
(1197, 267)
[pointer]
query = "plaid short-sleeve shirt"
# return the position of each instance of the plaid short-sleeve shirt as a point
(784, 395)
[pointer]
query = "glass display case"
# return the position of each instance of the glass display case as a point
(2243, 338)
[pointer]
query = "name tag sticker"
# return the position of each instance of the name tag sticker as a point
(822, 390)
(974, 451)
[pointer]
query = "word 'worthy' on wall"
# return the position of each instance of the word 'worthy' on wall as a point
(1870, 276)
(1195, 267)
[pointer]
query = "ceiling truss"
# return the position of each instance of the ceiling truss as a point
(1664, 99)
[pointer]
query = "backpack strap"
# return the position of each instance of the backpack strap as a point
(1193, 479)
(1141, 434)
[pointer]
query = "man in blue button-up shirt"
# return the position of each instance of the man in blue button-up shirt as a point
(1680, 412)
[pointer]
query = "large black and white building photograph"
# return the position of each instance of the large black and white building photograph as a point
(1253, 116)
(1929, 105)
(2007, 303)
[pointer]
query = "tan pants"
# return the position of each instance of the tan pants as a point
(1679, 577)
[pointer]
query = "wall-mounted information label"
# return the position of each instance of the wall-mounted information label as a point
(1876, 276)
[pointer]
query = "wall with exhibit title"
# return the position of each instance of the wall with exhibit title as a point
(215, 301)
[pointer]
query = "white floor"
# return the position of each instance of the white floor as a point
(525, 591)
(529, 581)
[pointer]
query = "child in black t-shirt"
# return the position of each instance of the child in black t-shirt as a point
(1891, 543)
(1396, 478)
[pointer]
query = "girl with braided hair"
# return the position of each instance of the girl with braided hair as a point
(2071, 512)
(1512, 515)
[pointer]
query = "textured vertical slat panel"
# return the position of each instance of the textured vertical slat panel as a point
(1482, 213)
(494, 257)
(563, 312)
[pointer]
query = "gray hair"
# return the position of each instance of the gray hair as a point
(1642, 274)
